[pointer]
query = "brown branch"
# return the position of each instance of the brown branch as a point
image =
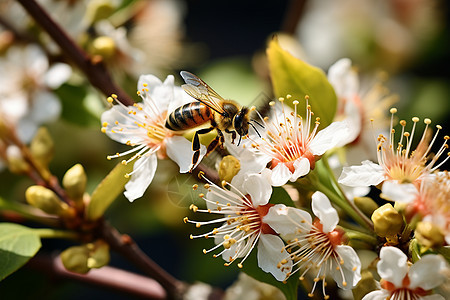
(292, 17)
(94, 69)
(106, 277)
(126, 246)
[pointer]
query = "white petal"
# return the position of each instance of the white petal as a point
(329, 137)
(280, 175)
(327, 214)
(45, 107)
(287, 220)
(140, 180)
(302, 167)
(26, 129)
(402, 192)
(351, 268)
(179, 149)
(57, 75)
(270, 255)
(259, 189)
(377, 295)
(353, 121)
(367, 174)
(428, 272)
(119, 114)
(393, 265)
(432, 297)
(343, 78)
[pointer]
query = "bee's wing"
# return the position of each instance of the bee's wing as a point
(198, 89)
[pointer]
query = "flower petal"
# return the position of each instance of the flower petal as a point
(351, 268)
(57, 75)
(302, 167)
(327, 214)
(259, 189)
(377, 295)
(287, 221)
(270, 253)
(402, 192)
(179, 149)
(393, 265)
(280, 175)
(329, 137)
(367, 174)
(141, 178)
(428, 272)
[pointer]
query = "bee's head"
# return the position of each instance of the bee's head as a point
(240, 121)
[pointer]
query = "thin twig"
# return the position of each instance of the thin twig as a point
(94, 69)
(126, 246)
(107, 277)
(292, 17)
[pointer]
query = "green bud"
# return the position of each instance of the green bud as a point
(99, 254)
(387, 221)
(429, 235)
(75, 259)
(98, 10)
(45, 199)
(366, 205)
(103, 46)
(42, 147)
(74, 182)
(366, 285)
(228, 168)
(15, 160)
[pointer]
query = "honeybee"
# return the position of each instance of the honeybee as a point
(224, 115)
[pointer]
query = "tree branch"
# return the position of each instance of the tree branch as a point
(292, 16)
(106, 277)
(94, 69)
(126, 246)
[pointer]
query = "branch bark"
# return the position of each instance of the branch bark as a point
(107, 277)
(94, 69)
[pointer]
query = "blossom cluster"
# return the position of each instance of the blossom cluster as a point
(291, 150)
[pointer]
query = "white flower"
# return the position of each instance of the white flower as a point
(292, 147)
(400, 281)
(357, 105)
(243, 209)
(142, 126)
(400, 167)
(25, 98)
(316, 244)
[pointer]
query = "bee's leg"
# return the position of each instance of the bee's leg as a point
(196, 145)
(219, 140)
(233, 134)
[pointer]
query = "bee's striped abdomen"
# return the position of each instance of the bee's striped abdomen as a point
(189, 116)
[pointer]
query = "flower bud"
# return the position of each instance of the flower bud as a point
(16, 163)
(228, 168)
(45, 199)
(366, 205)
(42, 147)
(75, 259)
(74, 182)
(103, 46)
(98, 10)
(365, 285)
(98, 255)
(429, 235)
(387, 221)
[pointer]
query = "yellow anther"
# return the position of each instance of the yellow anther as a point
(415, 119)
(393, 110)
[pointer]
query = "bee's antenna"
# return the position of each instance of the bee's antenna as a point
(254, 128)
(261, 125)
(240, 138)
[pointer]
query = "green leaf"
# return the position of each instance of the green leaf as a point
(74, 107)
(293, 76)
(17, 245)
(281, 196)
(251, 268)
(108, 190)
